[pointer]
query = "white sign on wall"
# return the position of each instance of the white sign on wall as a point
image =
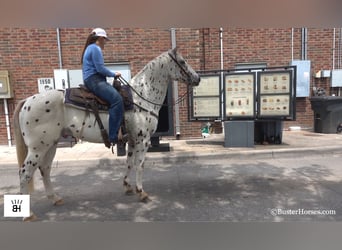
(45, 84)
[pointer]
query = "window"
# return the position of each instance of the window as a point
(75, 75)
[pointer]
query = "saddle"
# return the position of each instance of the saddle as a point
(82, 98)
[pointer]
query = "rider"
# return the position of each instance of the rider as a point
(94, 76)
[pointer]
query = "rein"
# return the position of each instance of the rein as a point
(179, 100)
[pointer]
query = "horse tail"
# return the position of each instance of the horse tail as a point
(20, 145)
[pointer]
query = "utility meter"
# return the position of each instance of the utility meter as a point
(6, 90)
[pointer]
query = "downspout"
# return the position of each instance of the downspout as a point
(340, 48)
(175, 88)
(304, 43)
(221, 61)
(333, 49)
(59, 49)
(292, 31)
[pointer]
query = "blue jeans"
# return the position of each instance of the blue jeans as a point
(99, 86)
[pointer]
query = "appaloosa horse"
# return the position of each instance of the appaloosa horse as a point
(41, 119)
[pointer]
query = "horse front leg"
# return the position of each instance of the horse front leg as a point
(135, 158)
(139, 163)
(130, 162)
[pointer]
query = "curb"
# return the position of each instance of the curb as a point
(188, 156)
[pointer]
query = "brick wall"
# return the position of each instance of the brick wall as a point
(272, 46)
(32, 53)
(28, 54)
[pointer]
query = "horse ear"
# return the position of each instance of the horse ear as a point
(173, 51)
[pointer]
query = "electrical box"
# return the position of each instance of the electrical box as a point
(325, 73)
(6, 90)
(75, 78)
(61, 78)
(336, 78)
(303, 77)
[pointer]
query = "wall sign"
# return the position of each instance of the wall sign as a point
(45, 84)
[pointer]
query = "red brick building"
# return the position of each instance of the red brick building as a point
(29, 54)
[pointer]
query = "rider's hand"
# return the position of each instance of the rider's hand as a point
(117, 74)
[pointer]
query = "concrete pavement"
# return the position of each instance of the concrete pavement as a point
(294, 144)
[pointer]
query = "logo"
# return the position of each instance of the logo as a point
(16, 205)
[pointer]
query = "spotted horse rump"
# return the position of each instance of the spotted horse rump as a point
(41, 119)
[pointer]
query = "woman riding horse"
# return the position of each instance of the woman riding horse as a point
(94, 75)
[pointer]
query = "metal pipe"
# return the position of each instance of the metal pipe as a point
(59, 49)
(340, 49)
(8, 124)
(175, 88)
(339, 57)
(304, 43)
(292, 31)
(221, 59)
(333, 49)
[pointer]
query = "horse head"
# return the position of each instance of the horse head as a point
(185, 73)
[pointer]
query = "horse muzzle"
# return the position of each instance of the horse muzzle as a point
(195, 81)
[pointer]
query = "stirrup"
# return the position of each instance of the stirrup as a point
(120, 148)
(120, 145)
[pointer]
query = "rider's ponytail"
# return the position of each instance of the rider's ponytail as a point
(92, 38)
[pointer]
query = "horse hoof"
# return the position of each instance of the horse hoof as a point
(32, 217)
(129, 192)
(144, 197)
(58, 202)
(129, 189)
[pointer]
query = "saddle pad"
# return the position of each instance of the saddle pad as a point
(82, 98)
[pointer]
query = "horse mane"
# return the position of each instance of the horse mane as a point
(148, 66)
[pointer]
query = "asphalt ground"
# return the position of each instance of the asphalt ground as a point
(198, 180)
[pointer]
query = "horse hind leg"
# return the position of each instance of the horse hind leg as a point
(45, 171)
(26, 174)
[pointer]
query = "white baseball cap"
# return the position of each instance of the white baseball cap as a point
(100, 32)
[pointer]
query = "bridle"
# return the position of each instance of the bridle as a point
(179, 65)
